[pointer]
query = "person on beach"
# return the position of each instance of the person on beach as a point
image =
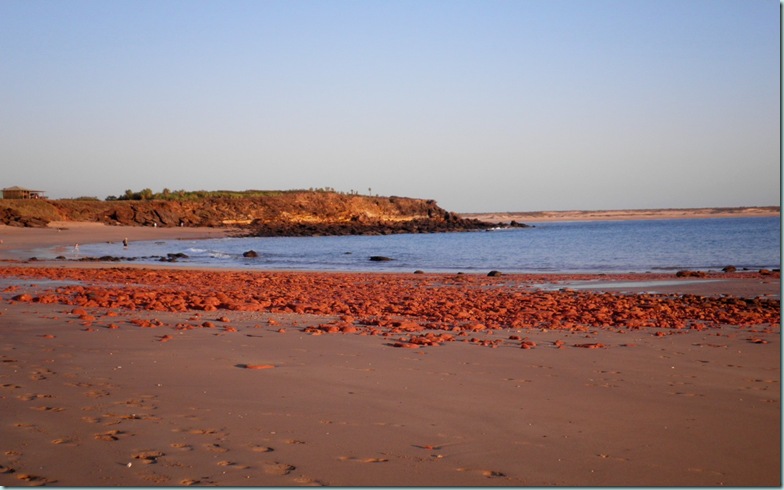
(125, 242)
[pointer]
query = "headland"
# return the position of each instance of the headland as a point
(256, 213)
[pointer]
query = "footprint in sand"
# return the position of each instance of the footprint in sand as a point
(65, 440)
(79, 384)
(48, 409)
(148, 457)
(182, 446)
(156, 479)
(261, 449)
(363, 460)
(34, 479)
(110, 435)
(32, 396)
(309, 482)
(279, 469)
(127, 416)
(97, 393)
(485, 473)
(41, 374)
(200, 432)
(144, 402)
(216, 448)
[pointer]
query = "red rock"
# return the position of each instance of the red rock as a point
(405, 345)
(591, 346)
(258, 366)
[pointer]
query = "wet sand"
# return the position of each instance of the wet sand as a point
(155, 376)
(21, 243)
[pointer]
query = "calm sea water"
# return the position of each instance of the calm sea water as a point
(599, 246)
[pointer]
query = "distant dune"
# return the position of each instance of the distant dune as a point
(625, 214)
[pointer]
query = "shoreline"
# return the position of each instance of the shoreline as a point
(17, 241)
(19, 245)
(14, 241)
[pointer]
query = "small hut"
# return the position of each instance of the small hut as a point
(16, 192)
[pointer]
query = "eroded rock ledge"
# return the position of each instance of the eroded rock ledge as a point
(290, 213)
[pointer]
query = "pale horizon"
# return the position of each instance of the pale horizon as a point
(482, 106)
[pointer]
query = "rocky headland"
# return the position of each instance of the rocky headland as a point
(292, 213)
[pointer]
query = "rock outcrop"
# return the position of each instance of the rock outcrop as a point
(292, 213)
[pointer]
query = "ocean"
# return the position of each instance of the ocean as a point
(570, 247)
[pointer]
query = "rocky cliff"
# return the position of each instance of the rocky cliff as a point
(285, 213)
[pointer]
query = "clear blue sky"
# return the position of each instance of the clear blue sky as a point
(482, 105)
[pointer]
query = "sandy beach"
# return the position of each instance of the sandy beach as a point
(142, 376)
(21, 243)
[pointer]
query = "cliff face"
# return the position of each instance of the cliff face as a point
(287, 213)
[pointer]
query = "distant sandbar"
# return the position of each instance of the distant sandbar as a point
(626, 214)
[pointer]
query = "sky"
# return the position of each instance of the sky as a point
(482, 105)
